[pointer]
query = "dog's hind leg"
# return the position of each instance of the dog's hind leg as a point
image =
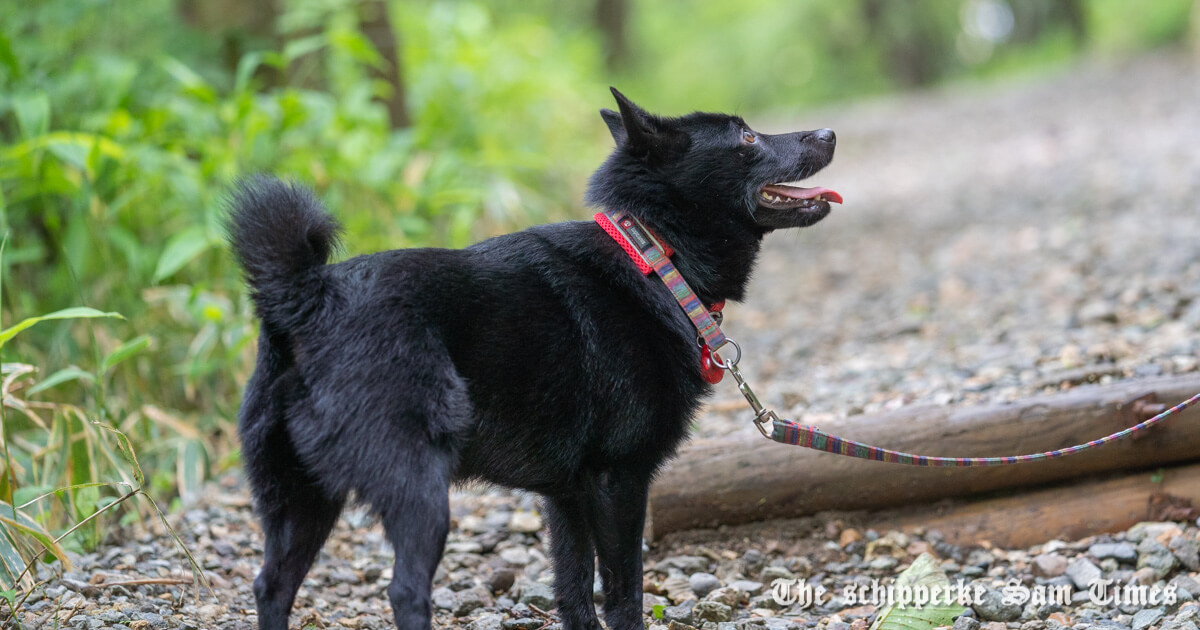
(296, 514)
(295, 532)
(574, 560)
(416, 518)
(619, 513)
(399, 454)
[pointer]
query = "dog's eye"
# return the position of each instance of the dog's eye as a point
(748, 136)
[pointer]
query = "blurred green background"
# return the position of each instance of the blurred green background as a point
(420, 122)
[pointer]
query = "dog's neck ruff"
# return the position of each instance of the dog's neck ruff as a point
(650, 254)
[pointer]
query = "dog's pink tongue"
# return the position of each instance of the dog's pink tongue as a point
(798, 192)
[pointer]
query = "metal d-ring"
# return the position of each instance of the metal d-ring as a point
(726, 364)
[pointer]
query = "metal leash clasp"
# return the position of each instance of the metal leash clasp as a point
(762, 415)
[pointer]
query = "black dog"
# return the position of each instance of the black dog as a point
(541, 360)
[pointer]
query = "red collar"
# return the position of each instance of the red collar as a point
(711, 317)
(606, 224)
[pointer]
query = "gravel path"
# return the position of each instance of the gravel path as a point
(996, 242)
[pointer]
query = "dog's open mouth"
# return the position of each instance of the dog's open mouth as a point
(785, 197)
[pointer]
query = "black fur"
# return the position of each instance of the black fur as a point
(540, 360)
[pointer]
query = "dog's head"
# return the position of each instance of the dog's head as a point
(717, 169)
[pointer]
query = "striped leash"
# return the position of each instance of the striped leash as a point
(650, 254)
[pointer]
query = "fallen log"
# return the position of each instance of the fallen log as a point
(1067, 511)
(744, 479)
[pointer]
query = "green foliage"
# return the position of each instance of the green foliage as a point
(115, 151)
(910, 613)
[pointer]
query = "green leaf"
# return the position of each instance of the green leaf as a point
(23, 527)
(245, 70)
(297, 48)
(66, 143)
(657, 611)
(192, 83)
(76, 312)
(33, 113)
(11, 562)
(189, 467)
(359, 48)
(87, 499)
(181, 249)
(8, 58)
(124, 351)
(904, 614)
(62, 376)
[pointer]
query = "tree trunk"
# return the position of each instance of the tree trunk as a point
(612, 18)
(738, 480)
(1065, 512)
(374, 22)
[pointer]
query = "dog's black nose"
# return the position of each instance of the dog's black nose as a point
(825, 135)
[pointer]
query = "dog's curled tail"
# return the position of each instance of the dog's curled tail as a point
(281, 235)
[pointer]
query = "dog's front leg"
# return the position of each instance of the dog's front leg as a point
(619, 515)
(574, 561)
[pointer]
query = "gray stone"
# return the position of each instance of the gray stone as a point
(501, 580)
(1149, 529)
(1082, 573)
(1186, 584)
(1121, 552)
(537, 594)
(747, 586)
(1187, 551)
(79, 586)
(765, 601)
(712, 611)
(464, 546)
(154, 619)
(112, 616)
(1049, 565)
(516, 556)
(467, 601)
(443, 598)
(681, 613)
(687, 564)
(487, 621)
(772, 573)
(883, 563)
(1098, 311)
(703, 583)
(972, 571)
(522, 623)
(991, 607)
(1153, 555)
(1174, 624)
(963, 622)
(525, 522)
(752, 562)
(1148, 617)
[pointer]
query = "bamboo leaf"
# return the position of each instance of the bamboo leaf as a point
(8, 58)
(125, 351)
(77, 312)
(180, 250)
(62, 376)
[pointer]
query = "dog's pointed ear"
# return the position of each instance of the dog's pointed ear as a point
(638, 124)
(615, 126)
